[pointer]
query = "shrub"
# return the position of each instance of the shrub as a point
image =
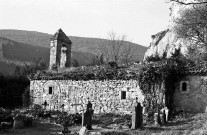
(114, 133)
(106, 119)
(69, 119)
(26, 97)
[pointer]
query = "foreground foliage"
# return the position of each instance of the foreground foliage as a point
(106, 119)
(157, 79)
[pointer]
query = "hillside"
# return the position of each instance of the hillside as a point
(16, 53)
(23, 46)
(79, 43)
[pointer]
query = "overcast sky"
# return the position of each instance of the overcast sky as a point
(138, 19)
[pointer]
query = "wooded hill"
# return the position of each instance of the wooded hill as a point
(20, 46)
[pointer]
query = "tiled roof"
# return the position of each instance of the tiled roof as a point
(61, 36)
(199, 69)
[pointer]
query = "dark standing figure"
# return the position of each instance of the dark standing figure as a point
(62, 106)
(137, 116)
(87, 119)
(45, 104)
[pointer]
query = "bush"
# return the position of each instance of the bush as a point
(28, 121)
(5, 115)
(23, 115)
(69, 119)
(114, 133)
(26, 97)
(106, 119)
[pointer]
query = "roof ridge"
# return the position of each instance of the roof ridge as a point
(61, 36)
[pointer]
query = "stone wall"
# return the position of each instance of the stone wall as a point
(60, 50)
(1, 52)
(194, 99)
(53, 52)
(104, 95)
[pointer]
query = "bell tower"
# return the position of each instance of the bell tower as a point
(60, 50)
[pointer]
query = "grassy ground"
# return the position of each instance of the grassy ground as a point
(194, 125)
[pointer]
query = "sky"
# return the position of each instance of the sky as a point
(138, 19)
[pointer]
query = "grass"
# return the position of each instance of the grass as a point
(192, 125)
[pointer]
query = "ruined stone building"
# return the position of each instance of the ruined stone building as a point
(107, 95)
(60, 50)
(61, 92)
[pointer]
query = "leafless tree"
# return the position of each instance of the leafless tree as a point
(96, 60)
(75, 63)
(116, 49)
(192, 25)
(196, 2)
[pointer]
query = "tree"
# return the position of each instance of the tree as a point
(117, 49)
(96, 60)
(192, 25)
(26, 97)
(75, 63)
(28, 68)
(39, 64)
(17, 71)
(196, 2)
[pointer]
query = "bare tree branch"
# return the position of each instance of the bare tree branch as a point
(117, 49)
(189, 3)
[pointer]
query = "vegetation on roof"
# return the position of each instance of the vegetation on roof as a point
(104, 72)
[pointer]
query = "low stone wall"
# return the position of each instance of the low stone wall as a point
(106, 96)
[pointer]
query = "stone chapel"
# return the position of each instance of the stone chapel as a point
(62, 91)
(71, 95)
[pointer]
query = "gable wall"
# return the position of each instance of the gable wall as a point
(104, 95)
(195, 98)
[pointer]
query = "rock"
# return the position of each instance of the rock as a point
(6, 124)
(54, 116)
(115, 120)
(83, 131)
(166, 42)
(94, 133)
(18, 124)
(125, 127)
(117, 127)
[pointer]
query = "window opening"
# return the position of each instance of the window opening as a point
(184, 86)
(123, 94)
(50, 90)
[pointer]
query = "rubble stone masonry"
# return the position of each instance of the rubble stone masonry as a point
(194, 98)
(117, 96)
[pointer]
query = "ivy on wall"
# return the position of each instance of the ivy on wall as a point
(157, 79)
